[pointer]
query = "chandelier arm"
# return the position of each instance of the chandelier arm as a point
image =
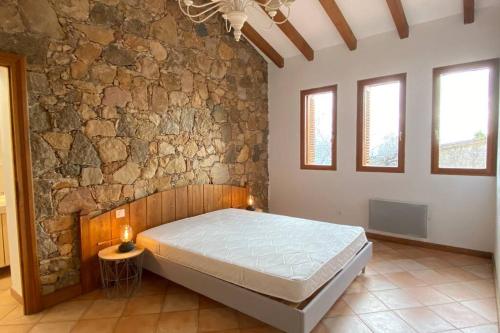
(265, 4)
(197, 15)
(189, 15)
(198, 21)
(272, 22)
(206, 4)
(287, 16)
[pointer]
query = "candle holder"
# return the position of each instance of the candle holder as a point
(126, 237)
(250, 203)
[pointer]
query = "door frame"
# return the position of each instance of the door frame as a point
(25, 208)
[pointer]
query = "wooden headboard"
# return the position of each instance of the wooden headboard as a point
(163, 207)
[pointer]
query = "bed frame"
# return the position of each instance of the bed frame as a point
(101, 231)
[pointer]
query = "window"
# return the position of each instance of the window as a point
(464, 123)
(318, 117)
(381, 124)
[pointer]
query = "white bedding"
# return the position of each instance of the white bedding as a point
(280, 256)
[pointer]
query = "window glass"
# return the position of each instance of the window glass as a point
(381, 125)
(463, 119)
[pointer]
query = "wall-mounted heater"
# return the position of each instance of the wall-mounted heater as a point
(398, 217)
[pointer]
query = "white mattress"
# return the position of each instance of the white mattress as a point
(280, 256)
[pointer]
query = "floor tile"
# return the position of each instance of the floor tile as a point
(15, 328)
(173, 288)
(458, 315)
(106, 325)
(5, 282)
(481, 271)
(404, 280)
(5, 309)
(59, 327)
(72, 310)
(7, 299)
(144, 305)
(397, 299)
(106, 308)
(410, 265)
(432, 277)
(483, 288)
(92, 296)
(386, 267)
(457, 291)
(464, 260)
(424, 320)
(17, 317)
(433, 262)
(138, 324)
(245, 321)
(178, 322)
(340, 308)
(386, 322)
(217, 319)
(428, 296)
(413, 252)
(208, 303)
(458, 274)
(253, 330)
(481, 329)
(152, 286)
(484, 307)
(364, 303)
(376, 283)
(344, 324)
(356, 287)
(180, 302)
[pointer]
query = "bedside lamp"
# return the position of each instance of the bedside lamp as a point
(126, 236)
(250, 203)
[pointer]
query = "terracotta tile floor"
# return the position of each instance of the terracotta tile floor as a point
(405, 289)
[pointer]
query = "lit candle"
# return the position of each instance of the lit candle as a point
(250, 203)
(126, 234)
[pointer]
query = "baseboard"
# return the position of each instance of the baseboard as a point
(61, 295)
(497, 282)
(428, 245)
(16, 296)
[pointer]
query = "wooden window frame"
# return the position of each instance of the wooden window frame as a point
(491, 141)
(402, 123)
(303, 95)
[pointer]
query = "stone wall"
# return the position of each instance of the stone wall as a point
(126, 98)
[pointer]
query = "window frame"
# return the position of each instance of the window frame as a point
(491, 141)
(401, 78)
(303, 141)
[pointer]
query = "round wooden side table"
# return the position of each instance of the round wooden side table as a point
(121, 273)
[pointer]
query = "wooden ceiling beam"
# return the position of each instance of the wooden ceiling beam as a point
(338, 19)
(253, 36)
(469, 11)
(293, 35)
(399, 17)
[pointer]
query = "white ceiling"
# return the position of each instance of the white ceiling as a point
(366, 18)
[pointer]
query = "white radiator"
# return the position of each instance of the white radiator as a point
(398, 217)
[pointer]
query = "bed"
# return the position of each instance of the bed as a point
(284, 271)
(282, 258)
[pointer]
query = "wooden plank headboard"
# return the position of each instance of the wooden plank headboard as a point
(163, 207)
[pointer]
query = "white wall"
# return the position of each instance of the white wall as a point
(497, 236)
(462, 208)
(8, 174)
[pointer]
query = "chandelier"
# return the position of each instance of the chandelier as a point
(233, 11)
